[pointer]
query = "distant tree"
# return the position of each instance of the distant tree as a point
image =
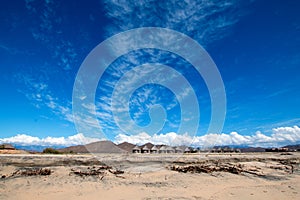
(51, 151)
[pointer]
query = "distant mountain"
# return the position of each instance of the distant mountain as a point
(244, 149)
(95, 147)
(252, 149)
(126, 146)
(110, 147)
(36, 148)
(233, 146)
(74, 149)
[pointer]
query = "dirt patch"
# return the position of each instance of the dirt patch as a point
(29, 172)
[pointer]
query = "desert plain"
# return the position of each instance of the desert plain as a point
(150, 176)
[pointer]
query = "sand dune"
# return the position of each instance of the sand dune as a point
(148, 177)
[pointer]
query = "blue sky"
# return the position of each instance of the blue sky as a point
(254, 44)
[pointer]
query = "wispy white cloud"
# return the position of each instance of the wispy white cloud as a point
(14, 51)
(50, 29)
(40, 95)
(24, 140)
(196, 19)
(169, 138)
(205, 21)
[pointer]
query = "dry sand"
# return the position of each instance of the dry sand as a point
(272, 176)
(4, 151)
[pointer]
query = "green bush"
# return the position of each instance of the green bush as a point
(51, 151)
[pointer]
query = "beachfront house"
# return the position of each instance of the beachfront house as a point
(154, 149)
(178, 150)
(170, 149)
(145, 149)
(7, 147)
(162, 149)
(187, 150)
(136, 149)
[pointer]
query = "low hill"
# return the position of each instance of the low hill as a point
(95, 147)
(252, 149)
(74, 149)
(103, 147)
(126, 146)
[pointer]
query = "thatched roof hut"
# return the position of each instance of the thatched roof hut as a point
(170, 149)
(195, 150)
(154, 149)
(219, 150)
(187, 150)
(237, 151)
(162, 149)
(136, 149)
(7, 147)
(145, 149)
(178, 150)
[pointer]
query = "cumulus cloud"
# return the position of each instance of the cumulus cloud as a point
(291, 134)
(24, 140)
(279, 137)
(171, 138)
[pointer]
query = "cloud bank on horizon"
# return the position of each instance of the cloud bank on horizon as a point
(280, 136)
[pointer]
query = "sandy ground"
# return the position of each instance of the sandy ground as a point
(3, 151)
(275, 176)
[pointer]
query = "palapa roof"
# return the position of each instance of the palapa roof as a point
(145, 148)
(169, 148)
(6, 146)
(154, 148)
(178, 149)
(162, 148)
(136, 148)
(187, 149)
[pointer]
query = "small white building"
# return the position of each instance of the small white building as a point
(154, 149)
(145, 149)
(136, 149)
(162, 149)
